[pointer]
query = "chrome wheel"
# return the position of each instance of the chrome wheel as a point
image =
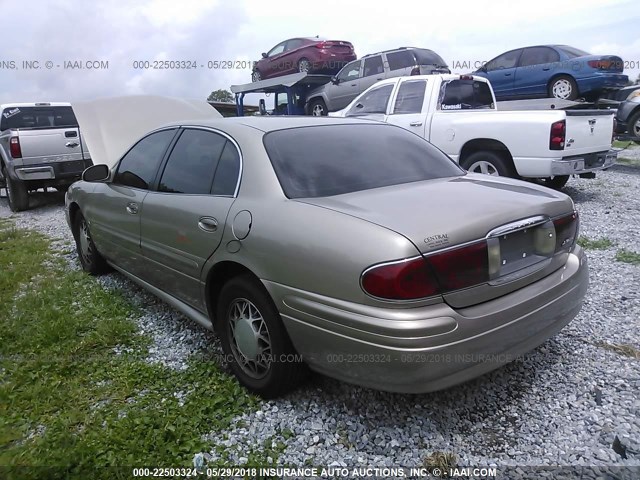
(318, 110)
(86, 248)
(255, 76)
(635, 128)
(562, 89)
(250, 338)
(482, 166)
(304, 66)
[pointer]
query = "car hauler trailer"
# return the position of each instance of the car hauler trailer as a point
(290, 92)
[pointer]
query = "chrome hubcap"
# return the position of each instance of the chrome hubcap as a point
(562, 89)
(304, 66)
(484, 167)
(317, 110)
(250, 339)
(85, 242)
(636, 129)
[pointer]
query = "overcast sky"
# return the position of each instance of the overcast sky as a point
(60, 31)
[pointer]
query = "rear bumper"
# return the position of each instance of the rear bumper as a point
(585, 163)
(601, 81)
(434, 347)
(53, 171)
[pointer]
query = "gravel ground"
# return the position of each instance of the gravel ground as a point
(572, 402)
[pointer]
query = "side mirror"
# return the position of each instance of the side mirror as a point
(262, 107)
(96, 173)
(335, 80)
(264, 55)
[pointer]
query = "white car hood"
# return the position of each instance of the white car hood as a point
(110, 126)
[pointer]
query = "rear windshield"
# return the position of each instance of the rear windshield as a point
(465, 95)
(428, 57)
(320, 161)
(33, 117)
(573, 52)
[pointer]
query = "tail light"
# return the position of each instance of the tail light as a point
(421, 277)
(557, 135)
(567, 228)
(322, 45)
(14, 147)
(415, 71)
(601, 64)
(461, 267)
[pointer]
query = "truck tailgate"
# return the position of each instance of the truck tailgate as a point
(50, 145)
(588, 131)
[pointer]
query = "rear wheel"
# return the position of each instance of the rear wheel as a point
(90, 259)
(17, 194)
(634, 126)
(317, 108)
(563, 87)
(304, 65)
(254, 339)
(489, 163)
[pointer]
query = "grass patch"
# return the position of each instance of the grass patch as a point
(630, 162)
(622, 349)
(628, 256)
(600, 244)
(439, 463)
(69, 404)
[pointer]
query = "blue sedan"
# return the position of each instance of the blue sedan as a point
(552, 71)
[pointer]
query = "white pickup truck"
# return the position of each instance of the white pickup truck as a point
(458, 114)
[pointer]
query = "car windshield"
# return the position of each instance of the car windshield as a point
(464, 95)
(33, 117)
(326, 160)
(573, 52)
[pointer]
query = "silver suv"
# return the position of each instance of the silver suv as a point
(355, 77)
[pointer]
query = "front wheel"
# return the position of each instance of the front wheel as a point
(17, 194)
(90, 259)
(254, 339)
(563, 87)
(489, 163)
(318, 108)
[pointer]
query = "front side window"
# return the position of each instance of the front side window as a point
(374, 101)
(192, 163)
(276, 50)
(139, 166)
(538, 56)
(373, 66)
(350, 72)
(410, 97)
(341, 159)
(506, 60)
(293, 44)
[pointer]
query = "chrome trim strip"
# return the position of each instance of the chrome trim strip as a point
(518, 225)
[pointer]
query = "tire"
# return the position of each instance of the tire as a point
(245, 310)
(556, 182)
(256, 76)
(17, 194)
(304, 65)
(318, 108)
(90, 259)
(634, 126)
(563, 87)
(489, 163)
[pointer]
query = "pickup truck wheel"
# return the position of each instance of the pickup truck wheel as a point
(563, 87)
(318, 108)
(556, 182)
(17, 194)
(90, 259)
(254, 339)
(489, 163)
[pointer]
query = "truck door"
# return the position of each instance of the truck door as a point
(408, 106)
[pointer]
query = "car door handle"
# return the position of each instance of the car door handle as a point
(208, 224)
(415, 124)
(507, 74)
(353, 84)
(132, 208)
(546, 69)
(71, 144)
(379, 78)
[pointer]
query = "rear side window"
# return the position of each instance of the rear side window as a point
(465, 95)
(410, 97)
(139, 166)
(347, 158)
(538, 56)
(192, 163)
(373, 66)
(228, 171)
(34, 117)
(400, 59)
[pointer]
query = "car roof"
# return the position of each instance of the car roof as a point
(396, 50)
(271, 123)
(35, 104)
